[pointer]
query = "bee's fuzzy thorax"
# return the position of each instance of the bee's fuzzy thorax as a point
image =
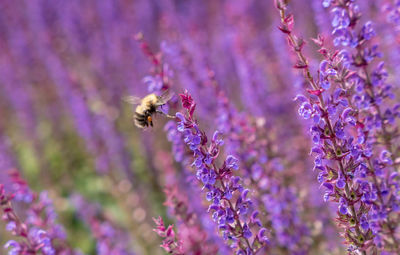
(149, 100)
(146, 103)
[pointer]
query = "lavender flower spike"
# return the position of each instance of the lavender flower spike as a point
(354, 180)
(373, 102)
(230, 205)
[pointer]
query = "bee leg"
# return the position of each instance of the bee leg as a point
(167, 115)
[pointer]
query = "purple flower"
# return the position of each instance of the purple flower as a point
(341, 18)
(15, 247)
(11, 226)
(305, 110)
(340, 183)
(367, 32)
(386, 157)
(153, 83)
(343, 208)
(232, 162)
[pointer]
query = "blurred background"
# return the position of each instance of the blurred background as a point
(65, 67)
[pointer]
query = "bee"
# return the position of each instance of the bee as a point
(147, 107)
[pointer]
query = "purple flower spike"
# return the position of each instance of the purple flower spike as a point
(354, 170)
(231, 206)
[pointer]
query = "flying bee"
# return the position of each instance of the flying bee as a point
(148, 106)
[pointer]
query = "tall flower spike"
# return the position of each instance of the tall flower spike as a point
(230, 205)
(192, 186)
(262, 169)
(343, 164)
(377, 115)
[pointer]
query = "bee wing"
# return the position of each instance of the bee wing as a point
(165, 97)
(132, 100)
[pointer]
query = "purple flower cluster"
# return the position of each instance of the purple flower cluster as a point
(262, 168)
(231, 207)
(372, 98)
(39, 233)
(192, 210)
(345, 112)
